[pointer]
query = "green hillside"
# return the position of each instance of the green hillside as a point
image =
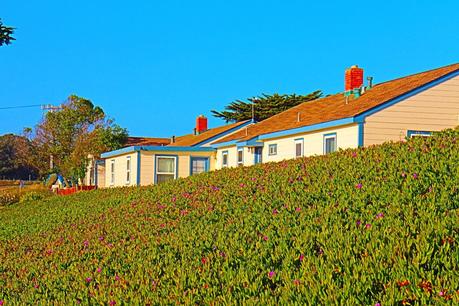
(367, 226)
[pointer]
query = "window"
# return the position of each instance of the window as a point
(329, 143)
(272, 149)
(225, 159)
(299, 150)
(240, 157)
(112, 172)
(412, 133)
(128, 170)
(165, 168)
(199, 165)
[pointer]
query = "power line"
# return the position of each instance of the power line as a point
(21, 106)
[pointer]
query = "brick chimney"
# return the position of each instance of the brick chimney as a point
(201, 124)
(353, 79)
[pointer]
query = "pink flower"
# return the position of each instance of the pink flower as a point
(86, 243)
(204, 260)
(358, 222)
(354, 154)
(380, 216)
(358, 186)
(36, 286)
(301, 257)
(275, 211)
(101, 238)
(88, 279)
(415, 175)
(265, 238)
(112, 303)
(298, 209)
(2, 302)
(441, 293)
(368, 225)
(271, 274)
(378, 304)
(99, 270)
(241, 184)
(117, 278)
(296, 282)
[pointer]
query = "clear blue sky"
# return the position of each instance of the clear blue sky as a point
(155, 65)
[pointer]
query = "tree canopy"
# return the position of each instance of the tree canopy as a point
(264, 106)
(6, 34)
(72, 133)
(15, 158)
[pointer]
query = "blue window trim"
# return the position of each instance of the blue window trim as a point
(227, 158)
(155, 157)
(330, 135)
(138, 168)
(237, 160)
(411, 133)
(295, 141)
(207, 165)
(274, 145)
(361, 128)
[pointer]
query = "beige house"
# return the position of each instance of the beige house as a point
(141, 165)
(360, 116)
(415, 105)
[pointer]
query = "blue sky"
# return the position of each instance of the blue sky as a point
(155, 65)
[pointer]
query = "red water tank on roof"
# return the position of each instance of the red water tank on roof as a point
(201, 124)
(353, 78)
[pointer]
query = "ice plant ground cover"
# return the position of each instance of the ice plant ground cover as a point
(374, 226)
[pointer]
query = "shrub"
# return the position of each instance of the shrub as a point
(8, 197)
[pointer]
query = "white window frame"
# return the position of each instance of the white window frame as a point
(112, 172)
(299, 141)
(165, 173)
(240, 162)
(128, 170)
(330, 136)
(274, 146)
(225, 153)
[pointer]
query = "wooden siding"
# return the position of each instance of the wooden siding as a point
(434, 109)
(120, 170)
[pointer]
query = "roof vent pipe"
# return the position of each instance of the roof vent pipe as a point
(173, 139)
(370, 82)
(298, 118)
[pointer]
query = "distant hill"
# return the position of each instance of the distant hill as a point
(357, 227)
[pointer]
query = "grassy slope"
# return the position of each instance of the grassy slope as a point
(216, 237)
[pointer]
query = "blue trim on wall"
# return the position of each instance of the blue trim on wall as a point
(156, 148)
(308, 128)
(155, 156)
(324, 142)
(223, 134)
(206, 159)
(138, 168)
(406, 95)
(411, 133)
(361, 128)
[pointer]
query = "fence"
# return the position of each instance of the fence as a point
(72, 190)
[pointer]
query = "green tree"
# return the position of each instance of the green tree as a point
(6, 34)
(264, 106)
(70, 135)
(15, 158)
